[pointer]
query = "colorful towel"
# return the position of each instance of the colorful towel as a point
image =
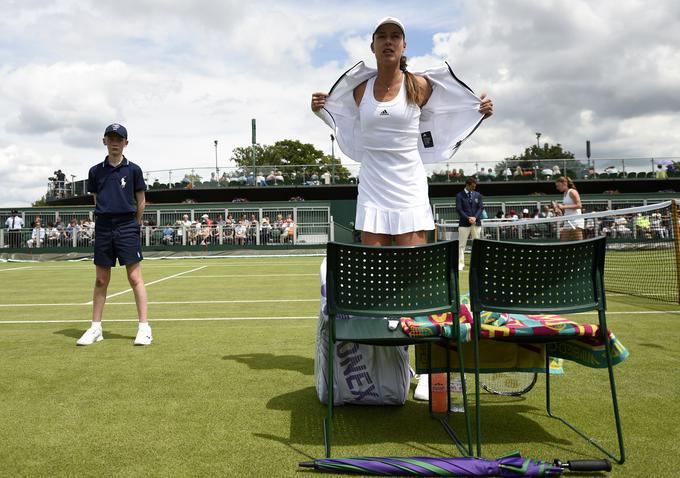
(586, 348)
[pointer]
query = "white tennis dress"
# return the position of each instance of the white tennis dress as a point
(393, 192)
(572, 223)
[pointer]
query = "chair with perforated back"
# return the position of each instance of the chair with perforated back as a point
(368, 285)
(534, 278)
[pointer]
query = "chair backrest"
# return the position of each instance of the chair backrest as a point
(392, 281)
(561, 277)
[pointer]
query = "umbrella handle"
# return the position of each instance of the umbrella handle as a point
(585, 465)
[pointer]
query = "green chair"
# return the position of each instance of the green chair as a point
(535, 278)
(370, 284)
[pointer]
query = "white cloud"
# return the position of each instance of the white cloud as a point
(182, 74)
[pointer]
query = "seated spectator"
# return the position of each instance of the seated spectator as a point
(228, 230)
(660, 173)
(518, 172)
(547, 172)
(657, 228)
(182, 229)
(642, 227)
(279, 227)
(507, 173)
(204, 230)
(252, 230)
(72, 231)
(490, 174)
(271, 177)
(621, 228)
(52, 235)
(240, 232)
(224, 180)
(288, 231)
(168, 235)
(38, 235)
(220, 221)
(86, 232)
(326, 177)
(265, 230)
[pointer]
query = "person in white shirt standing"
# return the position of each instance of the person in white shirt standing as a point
(14, 225)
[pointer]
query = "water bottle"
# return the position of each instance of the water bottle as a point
(439, 393)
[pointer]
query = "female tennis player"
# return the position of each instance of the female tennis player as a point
(384, 119)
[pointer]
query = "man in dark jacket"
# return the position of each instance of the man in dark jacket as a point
(469, 206)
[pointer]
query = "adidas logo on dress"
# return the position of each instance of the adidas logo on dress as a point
(384, 113)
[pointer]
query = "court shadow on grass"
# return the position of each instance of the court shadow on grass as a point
(76, 333)
(411, 423)
(263, 361)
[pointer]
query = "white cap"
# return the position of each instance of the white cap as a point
(525, 211)
(205, 216)
(392, 20)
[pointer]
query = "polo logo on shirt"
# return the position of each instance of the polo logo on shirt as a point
(122, 182)
(384, 113)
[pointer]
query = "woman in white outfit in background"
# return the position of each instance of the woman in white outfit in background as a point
(393, 204)
(572, 229)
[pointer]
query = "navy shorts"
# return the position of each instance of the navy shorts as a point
(116, 238)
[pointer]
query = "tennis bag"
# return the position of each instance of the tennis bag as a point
(362, 374)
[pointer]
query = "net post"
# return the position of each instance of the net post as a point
(676, 242)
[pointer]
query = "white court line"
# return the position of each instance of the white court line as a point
(59, 267)
(273, 276)
(170, 302)
(152, 283)
(227, 319)
(152, 320)
(16, 268)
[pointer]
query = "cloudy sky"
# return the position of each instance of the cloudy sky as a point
(181, 74)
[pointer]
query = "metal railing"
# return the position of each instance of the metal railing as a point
(305, 225)
(453, 171)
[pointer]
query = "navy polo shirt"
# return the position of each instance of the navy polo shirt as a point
(115, 187)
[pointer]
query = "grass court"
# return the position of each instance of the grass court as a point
(227, 388)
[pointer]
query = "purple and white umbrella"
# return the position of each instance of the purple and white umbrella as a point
(509, 466)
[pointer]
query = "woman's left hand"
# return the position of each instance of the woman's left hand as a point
(486, 106)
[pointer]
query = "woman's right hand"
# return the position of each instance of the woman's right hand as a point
(318, 101)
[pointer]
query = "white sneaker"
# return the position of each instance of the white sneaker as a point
(91, 335)
(422, 391)
(143, 336)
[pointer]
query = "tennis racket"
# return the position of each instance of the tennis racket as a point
(556, 210)
(509, 384)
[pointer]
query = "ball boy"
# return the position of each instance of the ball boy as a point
(118, 189)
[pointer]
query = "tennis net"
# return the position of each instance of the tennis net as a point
(643, 247)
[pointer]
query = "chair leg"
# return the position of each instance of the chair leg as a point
(328, 421)
(466, 405)
(612, 384)
(445, 420)
(478, 418)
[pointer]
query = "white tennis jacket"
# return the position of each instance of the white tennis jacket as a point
(448, 118)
